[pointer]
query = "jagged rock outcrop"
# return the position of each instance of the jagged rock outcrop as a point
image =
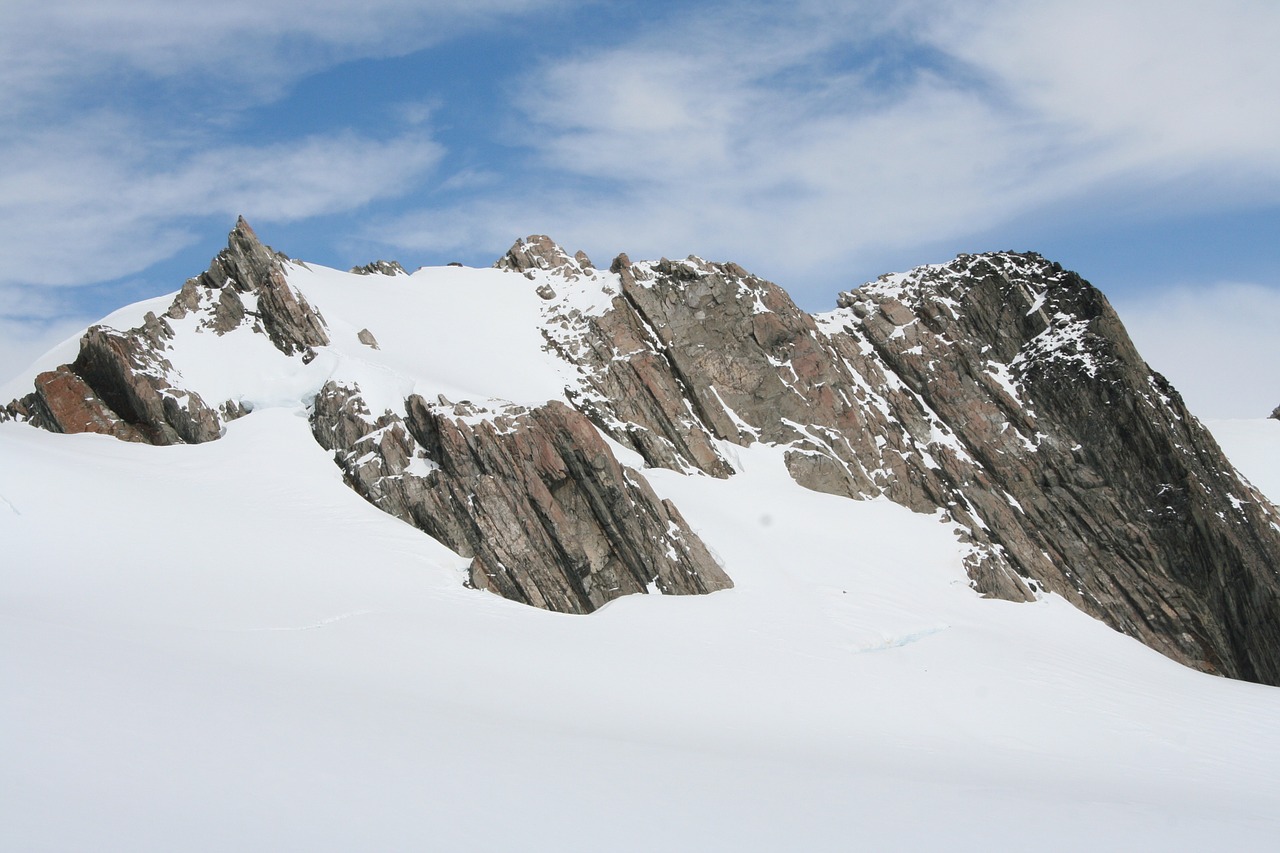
(380, 268)
(693, 353)
(540, 252)
(1275, 413)
(249, 269)
(998, 392)
(1000, 389)
(535, 498)
(64, 402)
(1124, 504)
(121, 384)
(130, 377)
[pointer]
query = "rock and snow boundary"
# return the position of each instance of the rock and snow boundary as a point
(488, 408)
(222, 645)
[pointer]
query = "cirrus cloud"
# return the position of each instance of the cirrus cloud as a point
(810, 138)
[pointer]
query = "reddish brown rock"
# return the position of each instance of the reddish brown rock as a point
(128, 375)
(63, 402)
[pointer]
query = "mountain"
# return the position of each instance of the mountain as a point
(893, 538)
(999, 391)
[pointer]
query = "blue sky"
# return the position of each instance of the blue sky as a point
(818, 144)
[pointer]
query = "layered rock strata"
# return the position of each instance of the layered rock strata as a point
(999, 389)
(998, 392)
(534, 496)
(121, 384)
(1122, 502)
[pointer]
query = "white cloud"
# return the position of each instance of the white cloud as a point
(50, 47)
(1216, 343)
(101, 199)
(790, 140)
(1170, 88)
(95, 189)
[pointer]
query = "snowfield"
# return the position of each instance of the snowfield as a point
(222, 647)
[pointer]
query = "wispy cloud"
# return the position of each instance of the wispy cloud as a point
(33, 320)
(98, 199)
(1172, 89)
(1216, 343)
(56, 48)
(797, 138)
(119, 122)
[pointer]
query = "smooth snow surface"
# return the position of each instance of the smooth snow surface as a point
(222, 647)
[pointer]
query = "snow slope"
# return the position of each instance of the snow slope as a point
(221, 647)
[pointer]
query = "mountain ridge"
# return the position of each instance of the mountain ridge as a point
(975, 389)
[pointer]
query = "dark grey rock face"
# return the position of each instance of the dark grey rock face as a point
(1125, 504)
(999, 389)
(535, 498)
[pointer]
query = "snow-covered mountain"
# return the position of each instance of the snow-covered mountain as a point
(220, 633)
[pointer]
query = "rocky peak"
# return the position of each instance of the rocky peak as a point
(122, 384)
(538, 252)
(997, 392)
(380, 268)
(998, 389)
(1112, 481)
(247, 267)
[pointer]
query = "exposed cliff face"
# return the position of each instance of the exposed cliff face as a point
(1000, 389)
(534, 497)
(999, 392)
(1123, 502)
(121, 384)
(690, 354)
